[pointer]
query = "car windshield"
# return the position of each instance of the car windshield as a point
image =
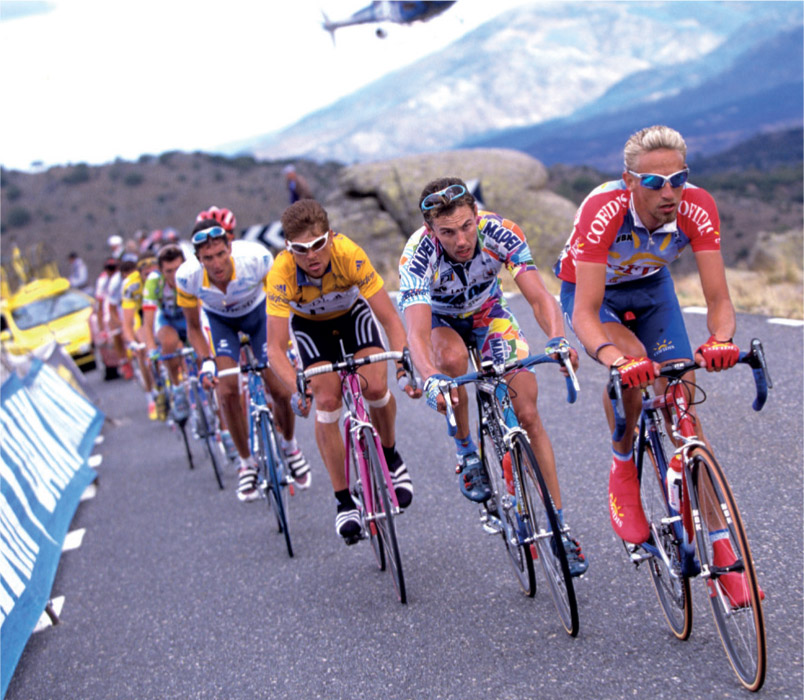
(43, 311)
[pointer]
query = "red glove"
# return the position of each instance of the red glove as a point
(636, 372)
(719, 354)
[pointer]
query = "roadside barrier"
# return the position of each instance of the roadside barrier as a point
(47, 432)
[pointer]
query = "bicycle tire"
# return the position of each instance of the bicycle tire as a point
(671, 586)
(275, 490)
(517, 535)
(385, 518)
(206, 424)
(540, 509)
(182, 426)
(369, 526)
(741, 627)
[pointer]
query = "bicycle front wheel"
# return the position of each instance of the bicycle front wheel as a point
(542, 513)
(671, 586)
(733, 587)
(357, 489)
(273, 474)
(384, 513)
(207, 427)
(516, 533)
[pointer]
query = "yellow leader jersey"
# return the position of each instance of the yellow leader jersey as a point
(349, 274)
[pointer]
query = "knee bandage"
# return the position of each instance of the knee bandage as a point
(327, 416)
(379, 403)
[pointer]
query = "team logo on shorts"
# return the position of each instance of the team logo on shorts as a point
(663, 346)
(499, 350)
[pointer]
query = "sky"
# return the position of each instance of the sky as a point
(95, 80)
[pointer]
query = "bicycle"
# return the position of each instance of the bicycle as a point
(204, 414)
(163, 387)
(276, 481)
(520, 509)
(367, 475)
(666, 427)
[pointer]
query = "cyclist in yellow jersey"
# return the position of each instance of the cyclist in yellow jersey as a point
(329, 289)
(133, 332)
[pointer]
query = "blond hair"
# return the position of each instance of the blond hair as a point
(652, 139)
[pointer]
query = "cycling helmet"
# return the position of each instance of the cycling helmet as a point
(114, 241)
(224, 217)
(170, 235)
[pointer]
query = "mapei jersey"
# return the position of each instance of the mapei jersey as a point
(245, 291)
(608, 230)
(157, 295)
(349, 274)
(428, 276)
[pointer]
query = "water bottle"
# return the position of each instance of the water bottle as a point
(674, 483)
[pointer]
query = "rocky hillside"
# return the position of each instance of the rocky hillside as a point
(78, 207)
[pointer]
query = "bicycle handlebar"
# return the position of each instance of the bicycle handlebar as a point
(490, 371)
(754, 358)
(351, 364)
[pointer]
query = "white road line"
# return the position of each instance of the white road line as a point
(73, 539)
(786, 322)
(89, 492)
(95, 460)
(45, 621)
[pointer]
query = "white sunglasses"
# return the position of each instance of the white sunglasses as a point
(303, 248)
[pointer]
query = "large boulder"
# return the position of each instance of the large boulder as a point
(376, 204)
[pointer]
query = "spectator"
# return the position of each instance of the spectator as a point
(77, 275)
(298, 187)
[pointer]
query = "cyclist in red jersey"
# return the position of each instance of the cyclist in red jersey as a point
(626, 232)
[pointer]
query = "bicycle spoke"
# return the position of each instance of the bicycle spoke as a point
(733, 589)
(384, 514)
(671, 586)
(541, 511)
(516, 535)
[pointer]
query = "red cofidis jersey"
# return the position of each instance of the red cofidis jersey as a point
(608, 230)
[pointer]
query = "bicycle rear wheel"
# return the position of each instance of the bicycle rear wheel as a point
(273, 473)
(384, 514)
(541, 511)
(671, 586)
(207, 426)
(517, 535)
(357, 487)
(738, 609)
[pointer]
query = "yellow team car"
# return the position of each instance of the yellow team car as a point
(45, 310)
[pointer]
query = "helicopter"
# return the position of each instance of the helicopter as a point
(397, 12)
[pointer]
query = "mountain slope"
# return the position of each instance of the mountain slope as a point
(528, 66)
(761, 91)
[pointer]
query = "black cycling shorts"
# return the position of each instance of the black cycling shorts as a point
(328, 340)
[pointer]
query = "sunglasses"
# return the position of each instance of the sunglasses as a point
(303, 248)
(652, 181)
(443, 197)
(208, 234)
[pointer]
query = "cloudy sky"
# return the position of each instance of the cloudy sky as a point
(93, 80)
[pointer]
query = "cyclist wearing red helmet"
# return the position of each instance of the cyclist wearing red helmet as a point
(225, 218)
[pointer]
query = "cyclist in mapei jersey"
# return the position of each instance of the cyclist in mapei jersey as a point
(626, 232)
(228, 280)
(328, 287)
(450, 293)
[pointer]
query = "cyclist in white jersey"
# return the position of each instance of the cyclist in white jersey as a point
(229, 284)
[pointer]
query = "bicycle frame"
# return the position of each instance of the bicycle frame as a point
(673, 402)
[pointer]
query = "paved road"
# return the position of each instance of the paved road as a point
(179, 591)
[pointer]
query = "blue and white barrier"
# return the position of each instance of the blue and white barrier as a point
(47, 431)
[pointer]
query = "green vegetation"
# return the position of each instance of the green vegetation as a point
(133, 179)
(78, 174)
(18, 217)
